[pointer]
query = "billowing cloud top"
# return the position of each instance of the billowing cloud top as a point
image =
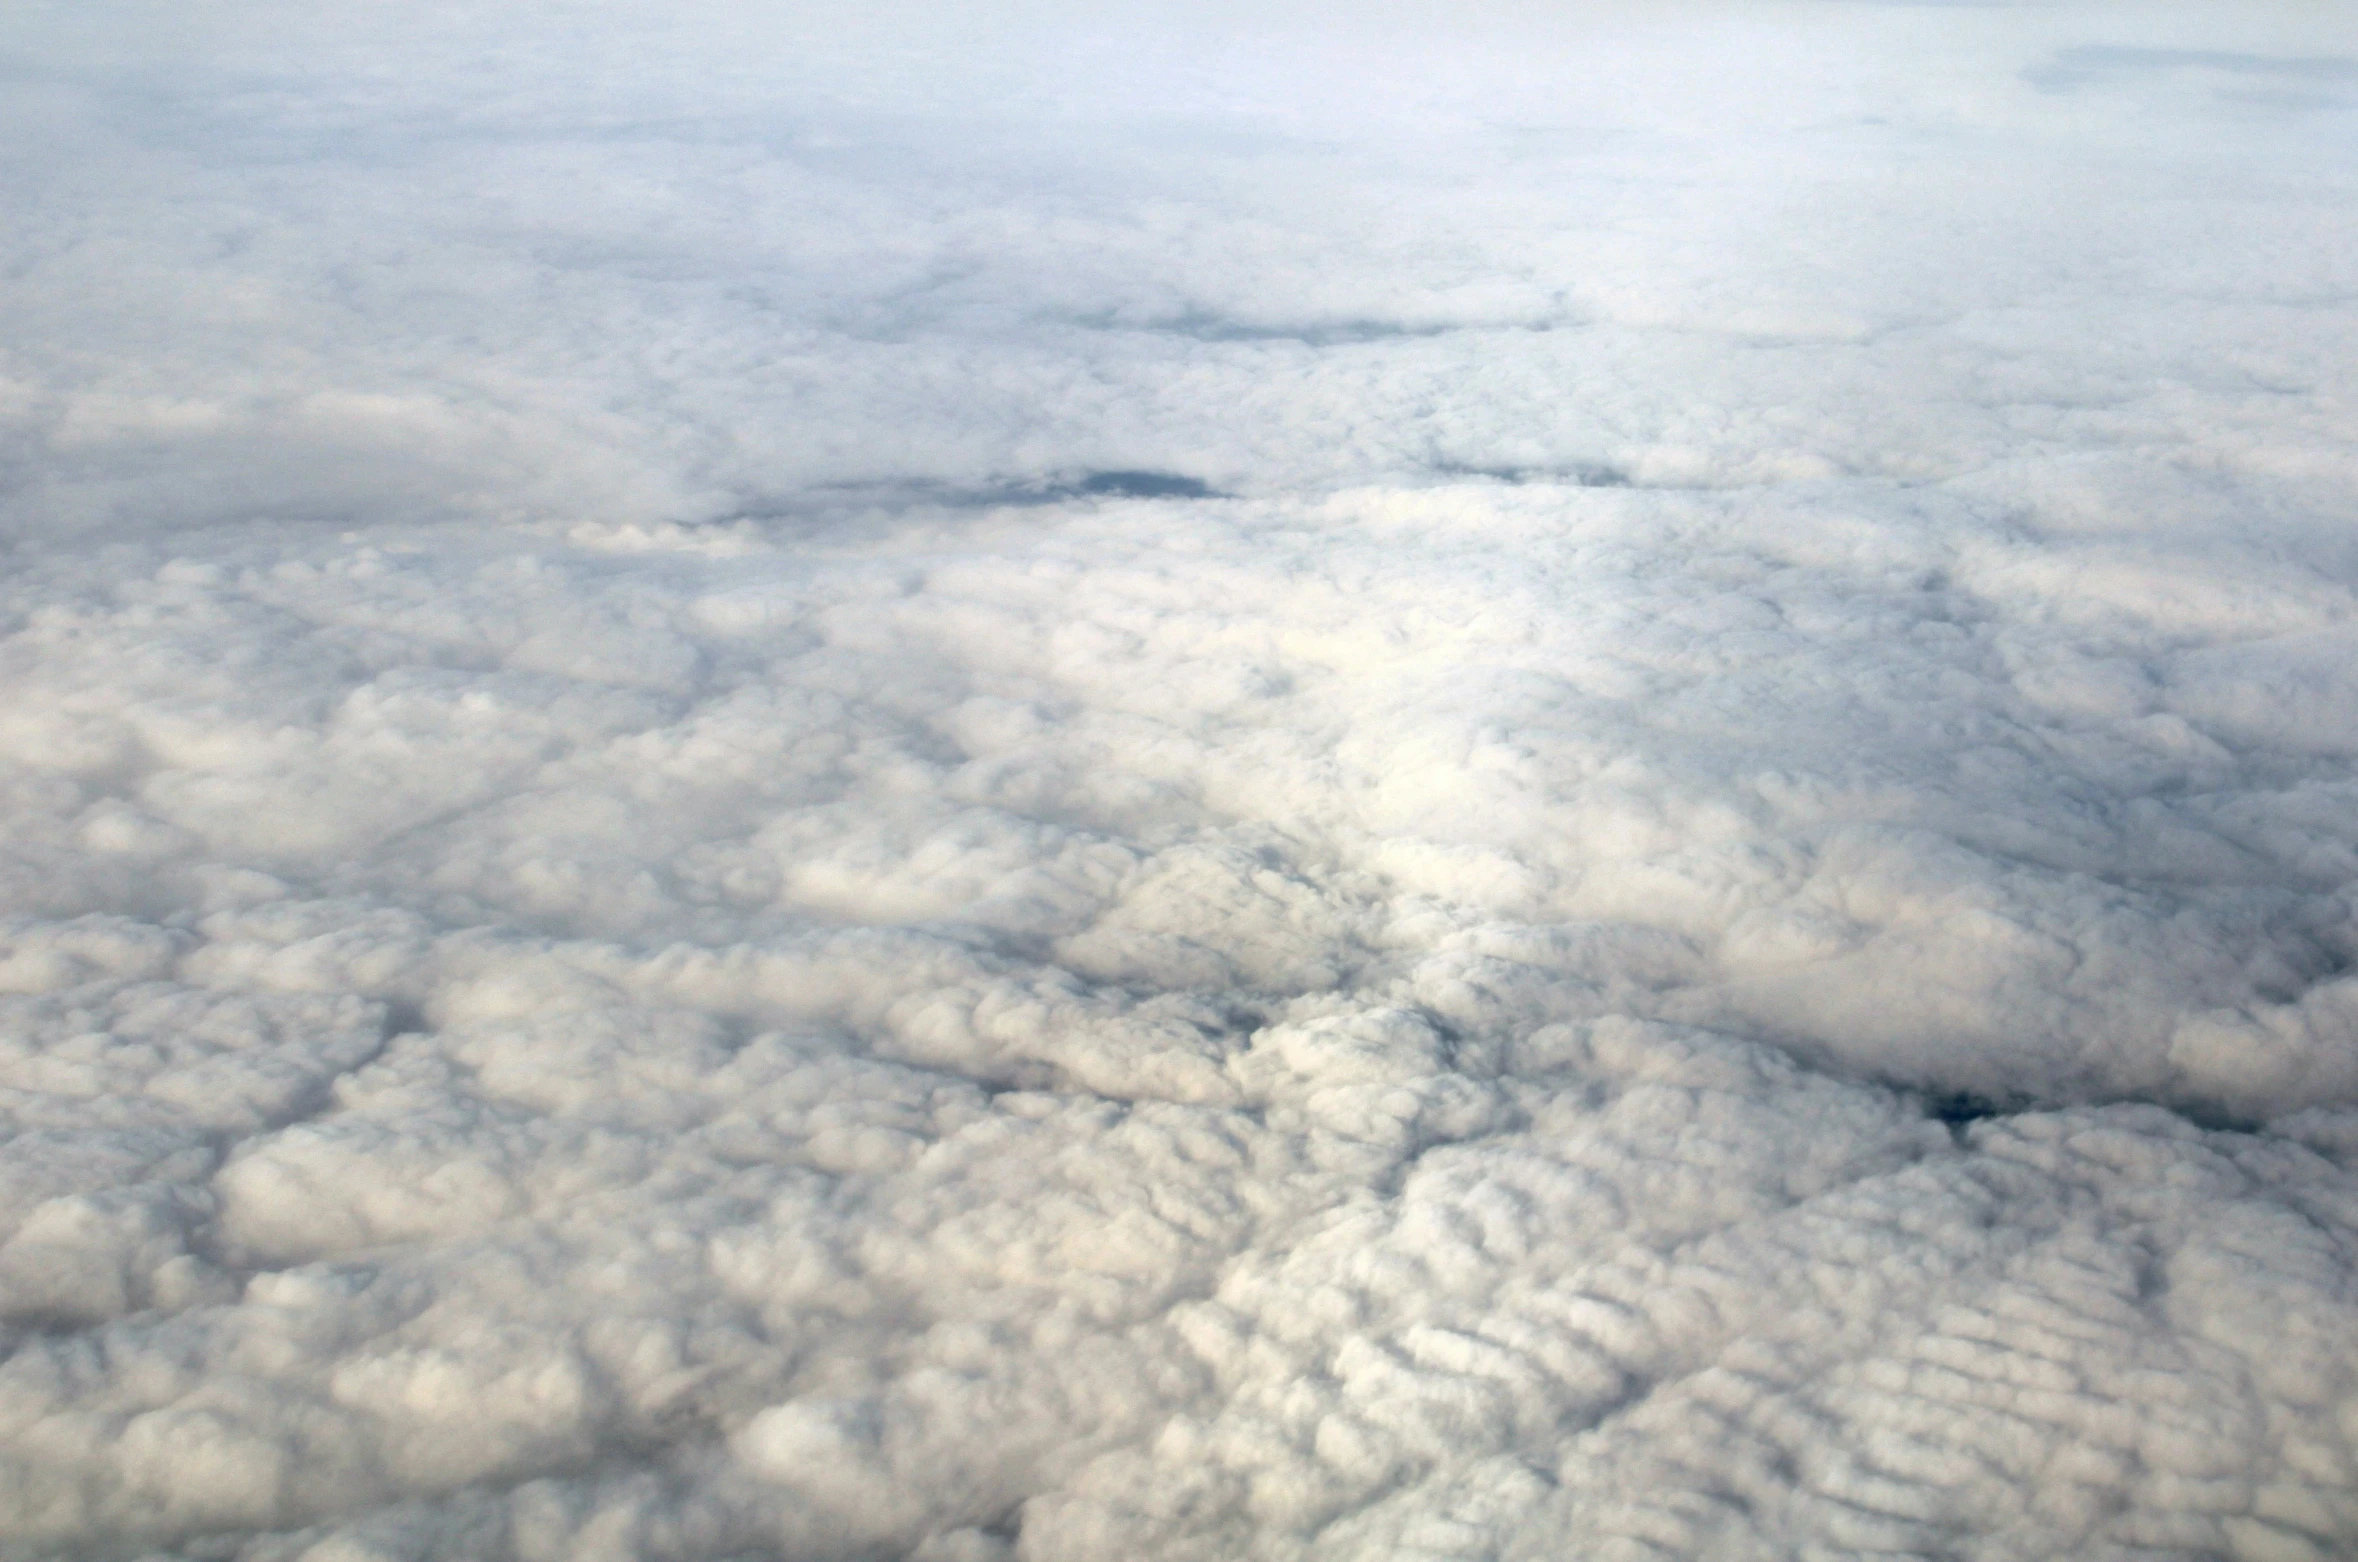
(1178, 784)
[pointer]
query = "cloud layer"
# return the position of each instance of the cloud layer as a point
(1178, 788)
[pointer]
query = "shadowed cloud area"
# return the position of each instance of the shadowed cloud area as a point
(1186, 787)
(2076, 67)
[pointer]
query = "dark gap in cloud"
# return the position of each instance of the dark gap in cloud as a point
(1198, 326)
(1584, 474)
(2078, 67)
(1958, 1108)
(1017, 492)
(1961, 1109)
(1143, 484)
(1087, 483)
(2217, 1119)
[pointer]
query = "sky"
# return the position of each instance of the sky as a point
(1050, 782)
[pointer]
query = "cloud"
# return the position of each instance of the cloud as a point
(1044, 787)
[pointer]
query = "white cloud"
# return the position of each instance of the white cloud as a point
(1053, 786)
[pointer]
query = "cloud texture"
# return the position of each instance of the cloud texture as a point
(1178, 787)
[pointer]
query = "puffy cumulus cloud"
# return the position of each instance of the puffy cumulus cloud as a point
(1061, 786)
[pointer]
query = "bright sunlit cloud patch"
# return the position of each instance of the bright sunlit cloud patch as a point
(1076, 784)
